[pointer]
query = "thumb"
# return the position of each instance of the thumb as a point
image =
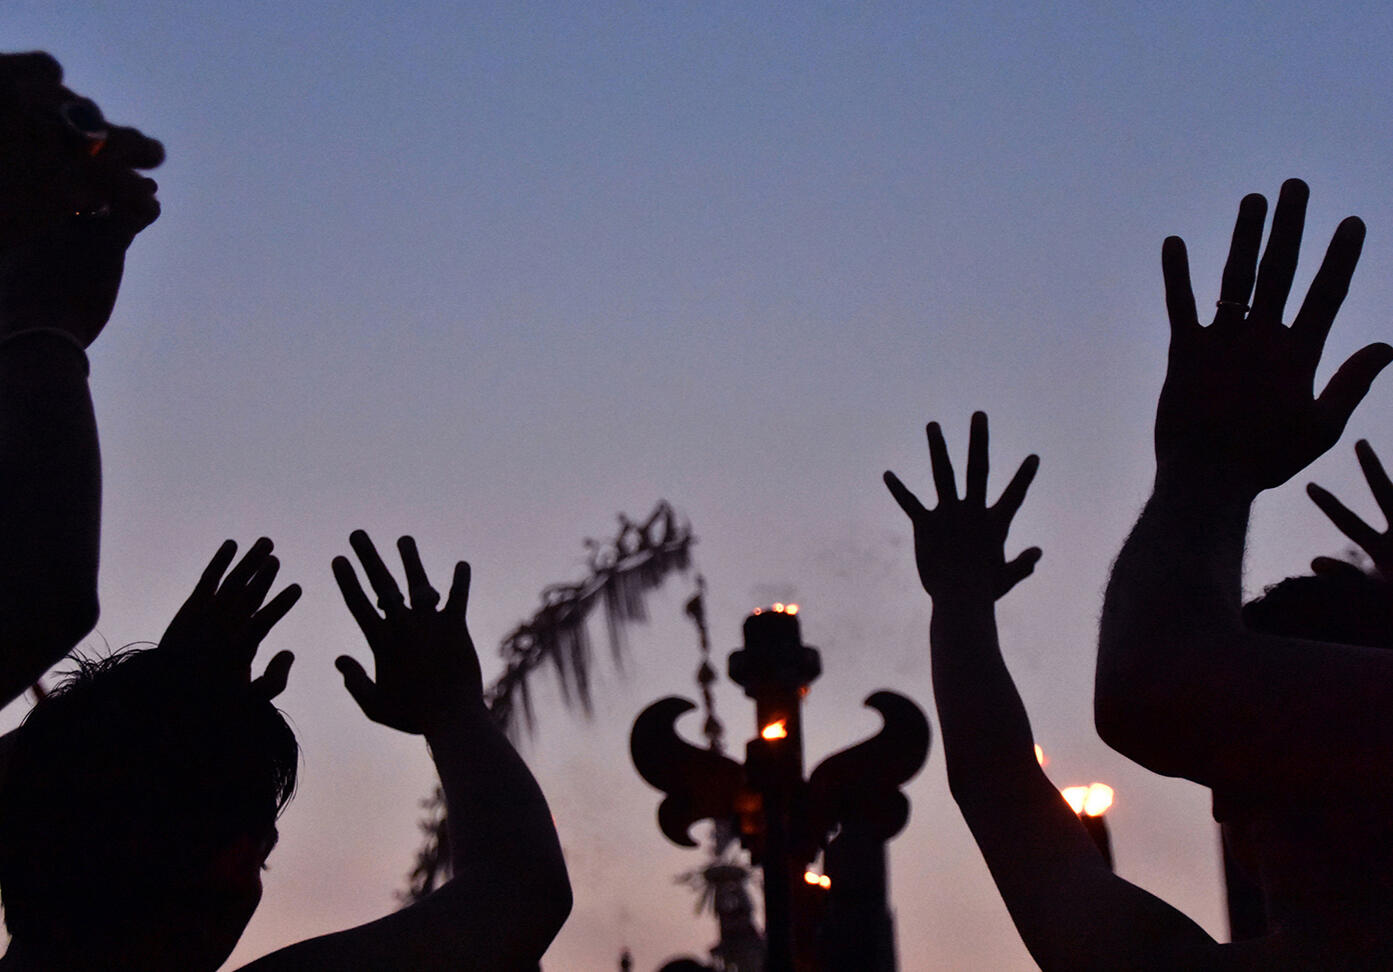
(1019, 569)
(356, 680)
(273, 681)
(1335, 566)
(1350, 384)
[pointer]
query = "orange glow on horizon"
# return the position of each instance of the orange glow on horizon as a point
(775, 730)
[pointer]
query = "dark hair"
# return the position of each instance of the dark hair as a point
(1349, 607)
(1345, 606)
(124, 784)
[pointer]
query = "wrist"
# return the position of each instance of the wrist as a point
(446, 725)
(963, 588)
(35, 339)
(1203, 484)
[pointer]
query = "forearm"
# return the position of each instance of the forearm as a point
(1032, 842)
(987, 742)
(501, 831)
(50, 506)
(1185, 689)
(1171, 612)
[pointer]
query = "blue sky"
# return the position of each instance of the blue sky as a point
(490, 273)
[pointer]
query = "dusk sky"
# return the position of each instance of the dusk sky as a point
(492, 272)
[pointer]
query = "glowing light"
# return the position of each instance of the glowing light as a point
(824, 882)
(1098, 800)
(778, 608)
(758, 611)
(775, 730)
(790, 609)
(1040, 755)
(817, 880)
(1093, 800)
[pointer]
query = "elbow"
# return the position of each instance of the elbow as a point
(558, 906)
(52, 607)
(41, 630)
(63, 622)
(1133, 701)
(81, 615)
(1150, 733)
(1122, 723)
(1114, 722)
(553, 902)
(546, 901)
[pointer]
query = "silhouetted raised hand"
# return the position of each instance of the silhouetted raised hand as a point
(958, 545)
(1379, 546)
(71, 201)
(1238, 409)
(509, 893)
(427, 669)
(217, 631)
(1184, 686)
(1031, 840)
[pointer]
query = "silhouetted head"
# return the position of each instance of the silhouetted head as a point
(1346, 606)
(133, 801)
(685, 965)
(1319, 840)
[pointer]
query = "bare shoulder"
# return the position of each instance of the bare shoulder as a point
(1276, 954)
(456, 928)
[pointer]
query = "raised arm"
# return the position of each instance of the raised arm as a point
(1032, 841)
(510, 893)
(70, 204)
(1182, 686)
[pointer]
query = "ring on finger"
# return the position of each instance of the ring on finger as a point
(84, 119)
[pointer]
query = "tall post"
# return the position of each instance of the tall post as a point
(783, 820)
(775, 669)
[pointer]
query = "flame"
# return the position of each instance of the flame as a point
(1040, 756)
(1093, 800)
(817, 880)
(778, 607)
(775, 730)
(1098, 799)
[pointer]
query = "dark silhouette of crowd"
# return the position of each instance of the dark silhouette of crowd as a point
(139, 798)
(1278, 706)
